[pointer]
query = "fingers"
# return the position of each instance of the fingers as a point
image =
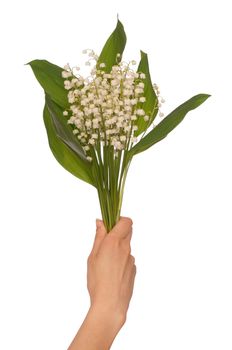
(100, 235)
(123, 228)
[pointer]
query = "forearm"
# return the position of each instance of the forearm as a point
(98, 330)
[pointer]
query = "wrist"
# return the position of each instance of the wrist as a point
(108, 316)
(99, 329)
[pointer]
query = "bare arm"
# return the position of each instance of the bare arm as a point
(110, 281)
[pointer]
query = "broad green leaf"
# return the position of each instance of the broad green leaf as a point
(167, 124)
(150, 106)
(63, 130)
(64, 155)
(49, 77)
(115, 44)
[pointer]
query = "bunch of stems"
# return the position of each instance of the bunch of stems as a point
(110, 172)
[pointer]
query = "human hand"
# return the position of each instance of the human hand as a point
(111, 269)
(110, 281)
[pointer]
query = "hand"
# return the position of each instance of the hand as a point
(110, 281)
(111, 269)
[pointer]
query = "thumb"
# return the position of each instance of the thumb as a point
(100, 235)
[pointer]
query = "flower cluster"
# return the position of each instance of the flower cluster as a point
(105, 106)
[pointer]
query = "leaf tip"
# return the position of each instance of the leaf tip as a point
(28, 63)
(143, 54)
(204, 97)
(119, 23)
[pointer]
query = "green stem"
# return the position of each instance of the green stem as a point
(121, 188)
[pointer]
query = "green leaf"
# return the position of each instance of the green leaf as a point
(64, 130)
(64, 155)
(49, 77)
(115, 44)
(150, 106)
(167, 124)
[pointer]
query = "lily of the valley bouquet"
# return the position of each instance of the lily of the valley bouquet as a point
(97, 124)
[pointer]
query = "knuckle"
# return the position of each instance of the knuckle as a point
(127, 220)
(89, 259)
(132, 258)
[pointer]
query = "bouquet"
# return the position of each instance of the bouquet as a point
(97, 124)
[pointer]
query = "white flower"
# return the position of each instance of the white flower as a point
(133, 101)
(95, 110)
(138, 91)
(114, 82)
(67, 85)
(71, 119)
(140, 112)
(141, 85)
(84, 102)
(117, 144)
(89, 159)
(127, 128)
(71, 99)
(121, 118)
(74, 81)
(80, 114)
(92, 141)
(88, 123)
(78, 123)
(119, 125)
(66, 74)
(105, 105)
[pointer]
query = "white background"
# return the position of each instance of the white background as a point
(178, 193)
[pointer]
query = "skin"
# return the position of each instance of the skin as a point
(111, 273)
